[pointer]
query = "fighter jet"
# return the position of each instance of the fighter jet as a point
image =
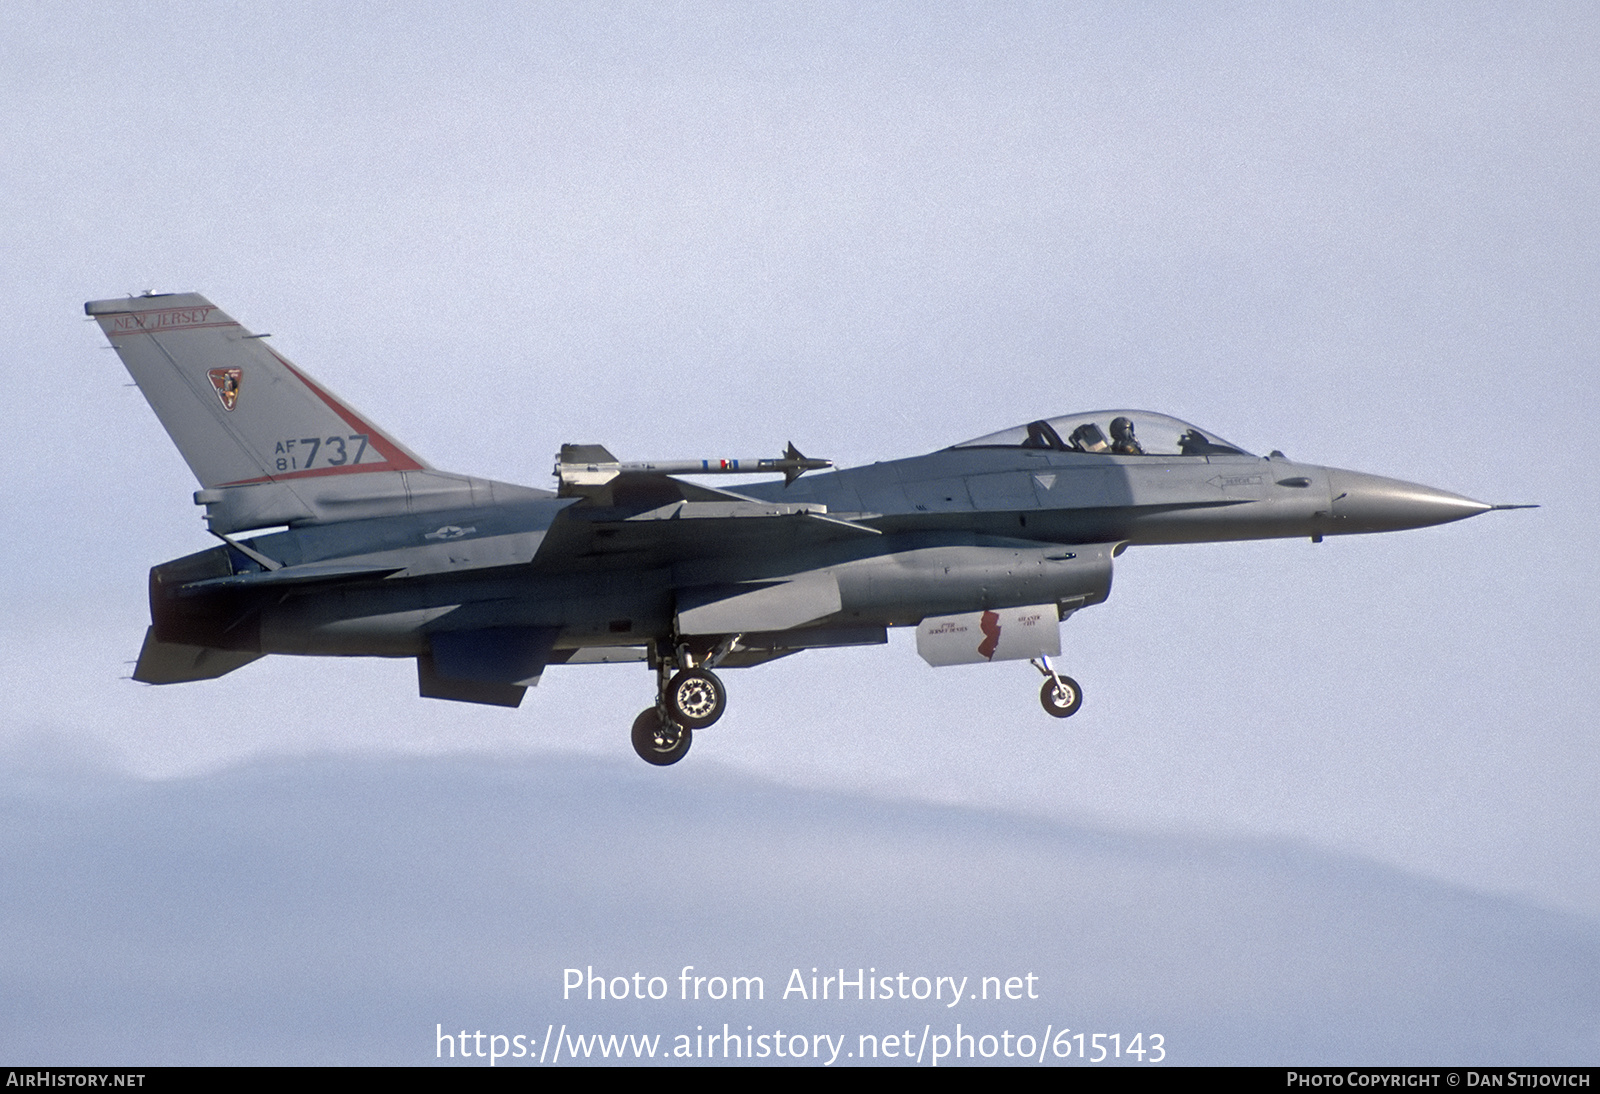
(360, 548)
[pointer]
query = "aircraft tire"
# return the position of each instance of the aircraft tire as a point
(658, 741)
(1055, 703)
(696, 698)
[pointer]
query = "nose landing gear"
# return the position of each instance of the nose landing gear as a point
(1060, 696)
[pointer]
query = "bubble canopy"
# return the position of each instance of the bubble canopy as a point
(1111, 433)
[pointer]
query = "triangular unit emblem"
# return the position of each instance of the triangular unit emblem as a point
(226, 381)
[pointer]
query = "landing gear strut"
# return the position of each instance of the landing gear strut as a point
(1060, 696)
(688, 697)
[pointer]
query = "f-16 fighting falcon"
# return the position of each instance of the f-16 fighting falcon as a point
(363, 549)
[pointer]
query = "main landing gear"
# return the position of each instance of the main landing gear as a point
(695, 698)
(658, 741)
(1060, 696)
(687, 698)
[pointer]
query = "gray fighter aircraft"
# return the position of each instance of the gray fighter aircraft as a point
(984, 547)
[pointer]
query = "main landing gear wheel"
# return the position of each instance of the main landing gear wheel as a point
(695, 698)
(1061, 700)
(658, 741)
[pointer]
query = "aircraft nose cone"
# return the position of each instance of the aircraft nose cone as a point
(1371, 503)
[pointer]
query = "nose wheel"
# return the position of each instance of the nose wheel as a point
(1060, 696)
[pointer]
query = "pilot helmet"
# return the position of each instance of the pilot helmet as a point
(1121, 429)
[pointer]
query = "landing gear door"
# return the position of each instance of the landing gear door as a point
(1004, 634)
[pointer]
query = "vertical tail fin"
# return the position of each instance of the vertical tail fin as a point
(269, 444)
(239, 413)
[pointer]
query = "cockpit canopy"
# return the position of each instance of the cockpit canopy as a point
(1111, 433)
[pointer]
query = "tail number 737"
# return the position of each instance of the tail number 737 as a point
(302, 454)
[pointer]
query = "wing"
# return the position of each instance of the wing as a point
(644, 520)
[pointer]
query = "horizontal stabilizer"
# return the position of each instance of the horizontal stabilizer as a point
(291, 575)
(174, 663)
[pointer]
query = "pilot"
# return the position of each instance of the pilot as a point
(1122, 440)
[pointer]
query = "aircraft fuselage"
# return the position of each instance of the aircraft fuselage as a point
(961, 530)
(984, 547)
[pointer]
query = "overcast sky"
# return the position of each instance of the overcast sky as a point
(1364, 235)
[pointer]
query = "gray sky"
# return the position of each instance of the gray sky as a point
(1360, 234)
